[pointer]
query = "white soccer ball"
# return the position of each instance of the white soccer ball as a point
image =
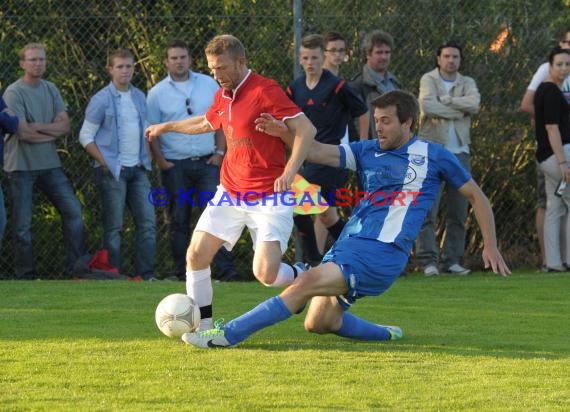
(177, 314)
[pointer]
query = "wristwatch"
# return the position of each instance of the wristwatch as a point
(220, 152)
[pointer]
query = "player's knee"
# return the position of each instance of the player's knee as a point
(265, 278)
(195, 257)
(313, 326)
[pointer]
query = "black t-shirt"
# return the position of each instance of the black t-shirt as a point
(550, 107)
(329, 106)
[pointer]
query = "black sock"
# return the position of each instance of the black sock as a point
(335, 229)
(306, 230)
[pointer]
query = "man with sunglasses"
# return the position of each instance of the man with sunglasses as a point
(186, 162)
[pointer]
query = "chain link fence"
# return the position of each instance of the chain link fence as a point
(504, 42)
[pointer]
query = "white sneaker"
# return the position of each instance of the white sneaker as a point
(457, 269)
(208, 339)
(431, 270)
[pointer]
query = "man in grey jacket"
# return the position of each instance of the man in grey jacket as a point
(374, 79)
(447, 101)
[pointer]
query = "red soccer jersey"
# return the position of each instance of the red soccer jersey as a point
(253, 159)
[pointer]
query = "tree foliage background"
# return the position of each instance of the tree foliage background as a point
(504, 42)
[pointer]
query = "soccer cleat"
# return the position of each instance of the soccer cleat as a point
(207, 339)
(431, 270)
(395, 332)
(457, 269)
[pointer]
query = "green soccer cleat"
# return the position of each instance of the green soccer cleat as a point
(395, 332)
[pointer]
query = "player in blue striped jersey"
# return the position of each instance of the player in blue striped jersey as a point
(374, 245)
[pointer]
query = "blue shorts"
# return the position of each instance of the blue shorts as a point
(369, 266)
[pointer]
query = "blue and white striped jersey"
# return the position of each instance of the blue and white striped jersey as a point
(401, 186)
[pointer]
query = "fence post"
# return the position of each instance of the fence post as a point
(297, 33)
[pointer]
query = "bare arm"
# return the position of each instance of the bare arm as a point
(43, 132)
(28, 133)
(192, 125)
(59, 127)
(484, 215)
(325, 154)
(363, 125)
(158, 157)
(220, 140)
(555, 141)
(95, 153)
(304, 132)
(527, 103)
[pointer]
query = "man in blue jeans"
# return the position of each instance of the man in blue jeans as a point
(189, 164)
(8, 124)
(112, 133)
(31, 161)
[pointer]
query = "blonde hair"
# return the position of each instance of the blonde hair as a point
(225, 43)
(30, 46)
(121, 53)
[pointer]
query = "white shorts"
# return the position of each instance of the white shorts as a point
(225, 218)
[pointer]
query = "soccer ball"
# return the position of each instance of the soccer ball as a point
(177, 314)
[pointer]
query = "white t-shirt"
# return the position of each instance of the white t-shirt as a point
(453, 144)
(129, 131)
(541, 75)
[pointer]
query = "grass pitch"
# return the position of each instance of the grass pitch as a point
(480, 342)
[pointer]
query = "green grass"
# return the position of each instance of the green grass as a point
(471, 343)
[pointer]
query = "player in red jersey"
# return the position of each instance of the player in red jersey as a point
(255, 163)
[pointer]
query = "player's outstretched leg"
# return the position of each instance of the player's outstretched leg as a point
(357, 328)
(271, 311)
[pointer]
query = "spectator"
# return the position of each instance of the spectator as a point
(112, 134)
(254, 166)
(527, 105)
(552, 122)
(375, 78)
(447, 100)
(335, 55)
(330, 104)
(31, 161)
(186, 162)
(8, 125)
(335, 52)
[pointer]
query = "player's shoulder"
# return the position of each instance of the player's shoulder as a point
(431, 149)
(260, 80)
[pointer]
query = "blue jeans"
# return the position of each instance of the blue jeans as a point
(190, 174)
(130, 190)
(55, 185)
(427, 248)
(2, 216)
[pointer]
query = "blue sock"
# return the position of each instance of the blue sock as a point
(357, 328)
(263, 315)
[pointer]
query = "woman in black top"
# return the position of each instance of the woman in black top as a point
(552, 122)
